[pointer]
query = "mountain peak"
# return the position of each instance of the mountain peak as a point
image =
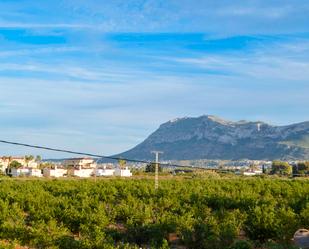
(211, 137)
(217, 119)
(212, 118)
(175, 120)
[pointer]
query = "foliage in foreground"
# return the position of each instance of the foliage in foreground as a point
(199, 213)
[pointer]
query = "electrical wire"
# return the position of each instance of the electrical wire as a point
(101, 156)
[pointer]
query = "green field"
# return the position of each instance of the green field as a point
(128, 213)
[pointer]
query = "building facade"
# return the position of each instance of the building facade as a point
(55, 172)
(84, 162)
(123, 172)
(5, 162)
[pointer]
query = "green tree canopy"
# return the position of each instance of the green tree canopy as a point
(122, 163)
(15, 164)
(281, 168)
(302, 168)
(38, 158)
(151, 167)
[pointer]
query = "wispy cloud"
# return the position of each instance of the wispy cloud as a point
(104, 27)
(212, 17)
(39, 51)
(11, 25)
(287, 61)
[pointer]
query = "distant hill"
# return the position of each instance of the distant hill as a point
(210, 137)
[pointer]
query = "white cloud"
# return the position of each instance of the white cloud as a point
(104, 27)
(39, 51)
(287, 61)
(213, 17)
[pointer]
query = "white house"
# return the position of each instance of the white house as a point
(5, 161)
(253, 173)
(249, 174)
(105, 172)
(35, 172)
(56, 172)
(84, 162)
(24, 162)
(32, 164)
(83, 172)
(123, 172)
(2, 167)
(19, 172)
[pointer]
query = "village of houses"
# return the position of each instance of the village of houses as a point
(75, 167)
(86, 167)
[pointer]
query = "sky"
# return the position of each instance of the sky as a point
(100, 76)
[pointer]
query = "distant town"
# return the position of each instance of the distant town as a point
(79, 167)
(85, 167)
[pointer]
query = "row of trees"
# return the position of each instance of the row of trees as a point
(284, 168)
(151, 168)
(278, 167)
(301, 168)
(116, 213)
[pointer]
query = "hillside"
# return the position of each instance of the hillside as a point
(210, 137)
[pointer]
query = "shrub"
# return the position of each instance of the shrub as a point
(241, 244)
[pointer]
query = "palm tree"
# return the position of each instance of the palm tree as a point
(28, 159)
(122, 163)
(38, 158)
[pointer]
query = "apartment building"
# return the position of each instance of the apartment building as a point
(84, 162)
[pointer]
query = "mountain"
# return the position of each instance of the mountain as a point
(210, 137)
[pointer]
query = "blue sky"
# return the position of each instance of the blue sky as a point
(100, 76)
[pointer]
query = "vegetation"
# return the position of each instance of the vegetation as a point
(301, 168)
(15, 164)
(28, 159)
(281, 168)
(151, 167)
(38, 158)
(196, 213)
(284, 168)
(122, 163)
(47, 165)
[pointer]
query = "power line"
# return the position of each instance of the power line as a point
(96, 155)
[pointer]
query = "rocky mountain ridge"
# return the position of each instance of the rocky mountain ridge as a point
(211, 137)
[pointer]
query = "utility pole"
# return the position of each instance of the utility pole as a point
(157, 167)
(96, 169)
